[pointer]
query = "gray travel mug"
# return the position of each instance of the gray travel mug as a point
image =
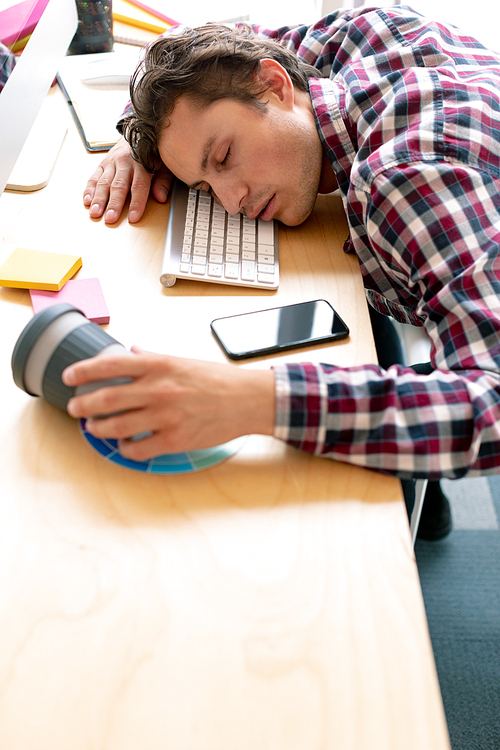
(54, 339)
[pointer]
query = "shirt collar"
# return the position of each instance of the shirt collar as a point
(328, 104)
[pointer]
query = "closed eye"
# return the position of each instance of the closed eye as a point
(227, 157)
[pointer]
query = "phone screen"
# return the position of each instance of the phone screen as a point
(277, 329)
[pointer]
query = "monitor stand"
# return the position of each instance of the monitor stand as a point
(38, 156)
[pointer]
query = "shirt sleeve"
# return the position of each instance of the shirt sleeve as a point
(436, 228)
(344, 36)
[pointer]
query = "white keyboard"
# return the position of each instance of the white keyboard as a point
(206, 243)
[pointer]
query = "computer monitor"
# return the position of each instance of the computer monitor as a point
(29, 82)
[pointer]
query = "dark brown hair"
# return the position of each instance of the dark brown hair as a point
(205, 64)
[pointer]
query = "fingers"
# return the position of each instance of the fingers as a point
(144, 449)
(118, 176)
(157, 444)
(105, 401)
(103, 367)
(89, 192)
(142, 431)
(162, 182)
(108, 189)
(139, 194)
(133, 425)
(184, 404)
(110, 399)
(144, 183)
(119, 179)
(142, 434)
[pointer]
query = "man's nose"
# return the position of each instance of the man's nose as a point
(231, 196)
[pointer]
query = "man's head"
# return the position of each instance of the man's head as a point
(229, 112)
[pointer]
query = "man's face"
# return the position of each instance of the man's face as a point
(264, 163)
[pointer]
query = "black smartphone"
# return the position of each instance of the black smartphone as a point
(269, 331)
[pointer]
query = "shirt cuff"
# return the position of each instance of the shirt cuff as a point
(302, 406)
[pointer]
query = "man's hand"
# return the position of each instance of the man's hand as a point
(117, 175)
(186, 404)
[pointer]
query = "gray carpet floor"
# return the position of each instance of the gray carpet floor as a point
(460, 578)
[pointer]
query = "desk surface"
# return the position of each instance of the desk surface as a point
(269, 602)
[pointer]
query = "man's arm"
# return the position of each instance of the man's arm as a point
(185, 403)
(435, 228)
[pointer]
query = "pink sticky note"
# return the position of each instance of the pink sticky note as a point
(85, 294)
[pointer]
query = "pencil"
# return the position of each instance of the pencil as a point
(154, 12)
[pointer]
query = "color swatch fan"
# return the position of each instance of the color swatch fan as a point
(171, 463)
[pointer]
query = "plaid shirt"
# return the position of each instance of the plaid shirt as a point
(7, 62)
(408, 113)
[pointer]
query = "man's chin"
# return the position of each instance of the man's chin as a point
(295, 221)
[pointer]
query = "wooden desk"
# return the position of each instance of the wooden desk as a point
(271, 602)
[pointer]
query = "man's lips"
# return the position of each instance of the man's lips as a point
(267, 211)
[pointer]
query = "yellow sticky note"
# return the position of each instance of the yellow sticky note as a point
(35, 269)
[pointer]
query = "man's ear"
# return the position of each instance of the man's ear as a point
(277, 82)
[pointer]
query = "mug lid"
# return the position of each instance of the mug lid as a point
(39, 323)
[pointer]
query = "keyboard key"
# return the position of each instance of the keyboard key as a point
(268, 259)
(198, 270)
(215, 270)
(266, 232)
(231, 271)
(262, 268)
(247, 270)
